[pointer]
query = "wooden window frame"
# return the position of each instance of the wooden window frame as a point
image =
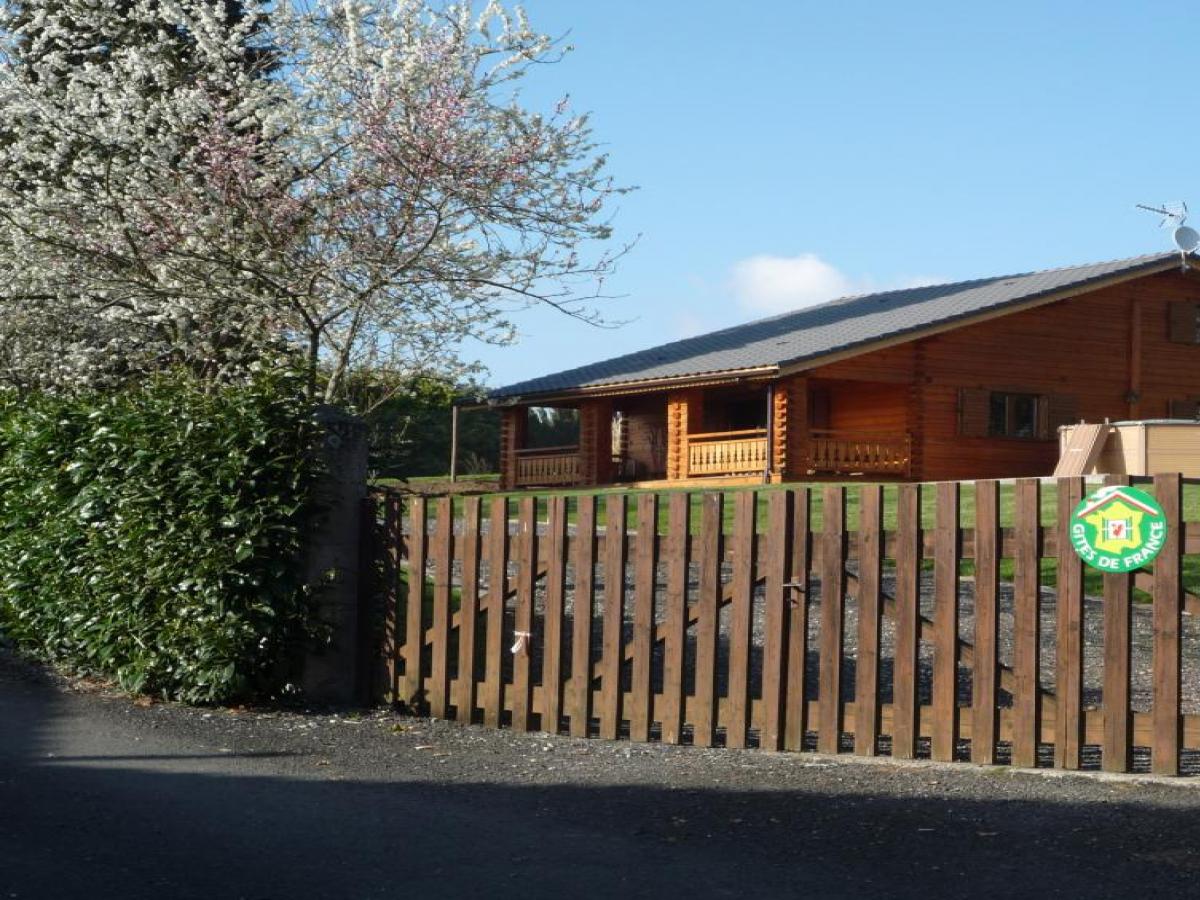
(1039, 414)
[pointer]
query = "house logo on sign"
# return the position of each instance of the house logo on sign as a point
(1118, 529)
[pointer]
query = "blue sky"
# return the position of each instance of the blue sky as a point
(790, 151)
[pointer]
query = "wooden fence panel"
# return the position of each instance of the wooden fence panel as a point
(493, 701)
(776, 616)
(464, 702)
(675, 635)
(1117, 753)
(645, 573)
(796, 702)
(552, 628)
(485, 655)
(1068, 727)
(414, 627)
(906, 710)
(985, 670)
(704, 721)
(1027, 633)
(945, 646)
(741, 621)
(1168, 625)
(612, 640)
(579, 707)
(833, 579)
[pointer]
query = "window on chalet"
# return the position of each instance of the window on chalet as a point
(1013, 415)
(1023, 415)
(1183, 325)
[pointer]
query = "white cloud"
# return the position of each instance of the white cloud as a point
(775, 284)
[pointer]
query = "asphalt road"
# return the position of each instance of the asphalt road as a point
(103, 798)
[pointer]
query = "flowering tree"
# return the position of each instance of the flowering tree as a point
(354, 181)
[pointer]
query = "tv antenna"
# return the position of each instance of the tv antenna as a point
(1174, 215)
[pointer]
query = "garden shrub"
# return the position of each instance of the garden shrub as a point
(153, 535)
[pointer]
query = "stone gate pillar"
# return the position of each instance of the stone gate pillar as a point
(331, 556)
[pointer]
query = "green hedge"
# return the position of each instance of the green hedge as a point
(153, 535)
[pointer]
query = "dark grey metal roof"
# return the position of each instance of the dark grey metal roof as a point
(831, 327)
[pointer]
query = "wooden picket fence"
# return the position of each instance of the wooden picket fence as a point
(688, 628)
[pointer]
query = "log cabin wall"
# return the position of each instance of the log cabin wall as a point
(868, 406)
(1083, 356)
(514, 428)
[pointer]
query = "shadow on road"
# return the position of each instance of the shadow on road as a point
(75, 829)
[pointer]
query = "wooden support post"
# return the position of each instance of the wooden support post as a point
(795, 426)
(946, 553)
(1026, 624)
(513, 425)
(832, 638)
(1168, 626)
(1117, 751)
(985, 663)
(870, 573)
(453, 444)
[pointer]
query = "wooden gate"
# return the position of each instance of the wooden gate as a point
(944, 620)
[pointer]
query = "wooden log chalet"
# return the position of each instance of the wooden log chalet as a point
(953, 381)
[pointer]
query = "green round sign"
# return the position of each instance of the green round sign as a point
(1118, 529)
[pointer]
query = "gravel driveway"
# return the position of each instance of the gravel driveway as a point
(101, 797)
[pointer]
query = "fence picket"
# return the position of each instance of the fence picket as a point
(1068, 727)
(493, 699)
(796, 701)
(870, 577)
(985, 669)
(523, 641)
(905, 708)
(1168, 623)
(833, 579)
(468, 612)
(552, 624)
(612, 645)
(1026, 635)
(443, 554)
(645, 570)
(1117, 752)
(678, 559)
(741, 621)
(776, 615)
(946, 554)
(704, 724)
(580, 697)
(393, 531)
(414, 626)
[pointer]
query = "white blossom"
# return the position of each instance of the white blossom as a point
(363, 186)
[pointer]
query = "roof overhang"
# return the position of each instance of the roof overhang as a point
(644, 386)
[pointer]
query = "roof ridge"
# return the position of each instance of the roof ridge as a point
(847, 298)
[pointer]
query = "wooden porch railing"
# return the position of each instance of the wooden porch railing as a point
(850, 452)
(547, 466)
(727, 453)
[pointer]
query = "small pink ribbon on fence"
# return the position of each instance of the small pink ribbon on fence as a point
(521, 644)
